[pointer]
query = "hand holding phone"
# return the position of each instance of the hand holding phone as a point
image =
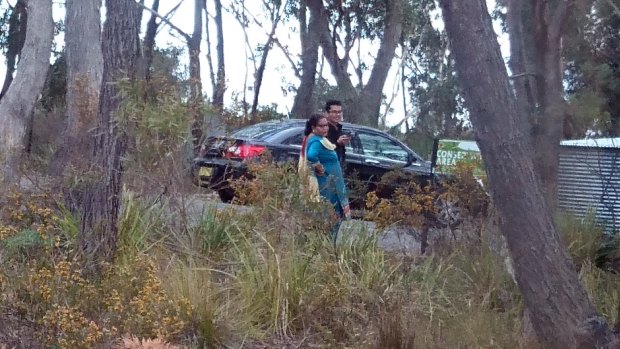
(344, 139)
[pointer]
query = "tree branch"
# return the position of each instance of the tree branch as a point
(165, 20)
(521, 75)
(275, 41)
(614, 7)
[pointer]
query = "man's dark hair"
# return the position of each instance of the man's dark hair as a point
(328, 104)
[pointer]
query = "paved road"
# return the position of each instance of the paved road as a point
(388, 239)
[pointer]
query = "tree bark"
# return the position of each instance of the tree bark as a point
(148, 44)
(258, 76)
(305, 99)
(561, 313)
(369, 102)
(363, 107)
(102, 194)
(18, 21)
(195, 80)
(17, 105)
(535, 28)
(84, 74)
(220, 84)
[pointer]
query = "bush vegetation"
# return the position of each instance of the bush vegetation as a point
(194, 275)
(258, 278)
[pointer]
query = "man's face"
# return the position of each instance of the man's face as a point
(334, 114)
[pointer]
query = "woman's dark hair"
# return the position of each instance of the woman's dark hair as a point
(312, 122)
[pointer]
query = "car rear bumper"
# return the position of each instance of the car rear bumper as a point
(215, 173)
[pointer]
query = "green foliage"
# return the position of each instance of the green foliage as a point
(140, 222)
(591, 51)
(215, 230)
(23, 243)
(432, 82)
(216, 277)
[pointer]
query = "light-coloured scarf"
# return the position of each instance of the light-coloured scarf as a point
(309, 184)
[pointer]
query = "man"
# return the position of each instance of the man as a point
(333, 112)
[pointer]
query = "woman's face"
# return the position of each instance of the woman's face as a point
(321, 128)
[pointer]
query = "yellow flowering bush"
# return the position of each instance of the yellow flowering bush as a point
(468, 189)
(31, 213)
(73, 312)
(409, 205)
(65, 308)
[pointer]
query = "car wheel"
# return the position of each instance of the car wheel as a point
(226, 195)
(449, 212)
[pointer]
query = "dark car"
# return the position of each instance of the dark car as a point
(370, 154)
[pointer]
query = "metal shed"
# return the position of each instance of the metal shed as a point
(589, 179)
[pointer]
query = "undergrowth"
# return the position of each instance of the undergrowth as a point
(267, 276)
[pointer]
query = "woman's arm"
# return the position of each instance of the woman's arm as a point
(313, 149)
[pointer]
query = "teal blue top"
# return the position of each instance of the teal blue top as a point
(331, 183)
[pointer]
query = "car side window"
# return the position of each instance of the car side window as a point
(382, 148)
(295, 140)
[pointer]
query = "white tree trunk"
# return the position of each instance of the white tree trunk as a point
(84, 74)
(18, 103)
(84, 59)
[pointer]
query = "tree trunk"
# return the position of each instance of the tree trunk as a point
(195, 80)
(148, 44)
(369, 102)
(305, 100)
(561, 313)
(220, 85)
(84, 74)
(535, 28)
(258, 76)
(18, 21)
(17, 105)
(102, 194)
(363, 107)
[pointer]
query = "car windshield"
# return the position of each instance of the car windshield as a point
(259, 131)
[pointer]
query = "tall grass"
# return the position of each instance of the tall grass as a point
(271, 277)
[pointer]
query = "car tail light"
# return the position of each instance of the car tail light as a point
(203, 151)
(244, 151)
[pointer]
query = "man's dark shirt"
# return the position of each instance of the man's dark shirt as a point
(333, 134)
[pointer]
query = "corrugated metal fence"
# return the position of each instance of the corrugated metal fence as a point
(589, 180)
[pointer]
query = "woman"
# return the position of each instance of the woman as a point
(320, 156)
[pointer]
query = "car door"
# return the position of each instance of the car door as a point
(376, 154)
(291, 144)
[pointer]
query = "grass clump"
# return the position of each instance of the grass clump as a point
(267, 276)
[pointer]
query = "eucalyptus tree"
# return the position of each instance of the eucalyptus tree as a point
(273, 14)
(305, 102)
(193, 41)
(536, 29)
(343, 25)
(560, 311)
(431, 82)
(101, 196)
(84, 62)
(18, 103)
(12, 39)
(592, 69)
(148, 43)
(219, 82)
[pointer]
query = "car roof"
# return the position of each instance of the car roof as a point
(302, 122)
(267, 129)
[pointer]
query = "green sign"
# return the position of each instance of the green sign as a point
(450, 152)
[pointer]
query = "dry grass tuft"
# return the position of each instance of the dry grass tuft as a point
(131, 342)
